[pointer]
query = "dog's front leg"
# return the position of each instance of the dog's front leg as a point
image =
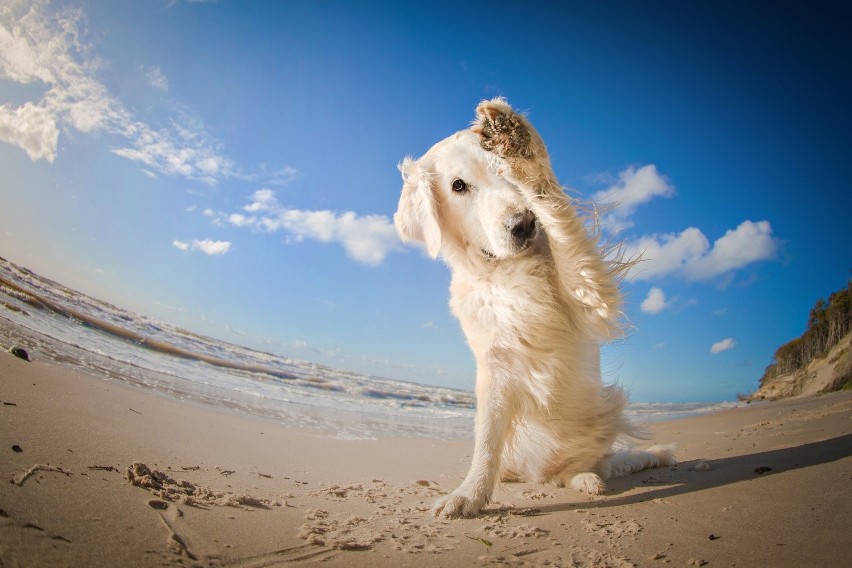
(510, 136)
(493, 421)
(584, 276)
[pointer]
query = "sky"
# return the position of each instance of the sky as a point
(230, 167)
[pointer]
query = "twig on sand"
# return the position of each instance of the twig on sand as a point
(19, 481)
(487, 543)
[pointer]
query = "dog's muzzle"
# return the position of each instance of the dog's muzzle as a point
(522, 228)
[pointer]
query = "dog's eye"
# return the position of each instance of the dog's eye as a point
(459, 185)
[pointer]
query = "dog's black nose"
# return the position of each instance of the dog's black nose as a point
(522, 226)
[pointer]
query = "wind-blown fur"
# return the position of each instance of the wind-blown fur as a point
(535, 296)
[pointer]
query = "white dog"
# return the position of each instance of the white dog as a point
(535, 298)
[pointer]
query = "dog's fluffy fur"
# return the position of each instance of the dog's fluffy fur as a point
(535, 297)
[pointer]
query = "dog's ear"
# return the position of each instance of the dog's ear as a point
(416, 218)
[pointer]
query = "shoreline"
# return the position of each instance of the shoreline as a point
(262, 494)
(372, 419)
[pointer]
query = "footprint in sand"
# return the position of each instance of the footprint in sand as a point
(170, 516)
(352, 533)
(611, 527)
(576, 557)
(396, 521)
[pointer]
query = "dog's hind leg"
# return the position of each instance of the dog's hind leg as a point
(619, 464)
(624, 462)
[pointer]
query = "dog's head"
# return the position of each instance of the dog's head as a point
(455, 200)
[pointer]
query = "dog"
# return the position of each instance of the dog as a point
(535, 297)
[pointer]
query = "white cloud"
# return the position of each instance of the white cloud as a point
(207, 246)
(32, 128)
(750, 242)
(688, 254)
(157, 80)
(723, 345)
(263, 200)
(39, 45)
(655, 302)
(212, 247)
(368, 239)
(634, 187)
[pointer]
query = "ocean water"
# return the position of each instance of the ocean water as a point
(56, 323)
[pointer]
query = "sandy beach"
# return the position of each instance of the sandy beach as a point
(97, 473)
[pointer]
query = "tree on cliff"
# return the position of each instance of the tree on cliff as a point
(828, 323)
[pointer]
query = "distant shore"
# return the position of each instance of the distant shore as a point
(769, 484)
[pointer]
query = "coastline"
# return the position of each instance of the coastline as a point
(262, 494)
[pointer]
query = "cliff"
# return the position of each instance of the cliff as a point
(822, 374)
(818, 361)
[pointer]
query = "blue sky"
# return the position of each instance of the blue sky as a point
(230, 167)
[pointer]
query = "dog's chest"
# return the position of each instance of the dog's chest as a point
(503, 307)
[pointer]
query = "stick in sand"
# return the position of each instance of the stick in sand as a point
(19, 481)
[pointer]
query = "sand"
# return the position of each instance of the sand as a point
(96, 473)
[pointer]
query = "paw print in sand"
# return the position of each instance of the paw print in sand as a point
(502, 130)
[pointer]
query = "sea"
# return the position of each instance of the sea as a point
(55, 323)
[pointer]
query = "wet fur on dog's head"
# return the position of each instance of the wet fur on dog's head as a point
(456, 202)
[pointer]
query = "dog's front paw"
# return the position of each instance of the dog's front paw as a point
(501, 130)
(457, 504)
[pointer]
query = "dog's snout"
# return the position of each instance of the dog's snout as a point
(521, 226)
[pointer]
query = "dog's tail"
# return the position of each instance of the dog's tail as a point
(625, 462)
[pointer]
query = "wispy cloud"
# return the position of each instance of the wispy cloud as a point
(177, 151)
(654, 302)
(38, 45)
(157, 80)
(689, 255)
(367, 239)
(724, 345)
(207, 246)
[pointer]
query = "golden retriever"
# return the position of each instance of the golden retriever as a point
(535, 297)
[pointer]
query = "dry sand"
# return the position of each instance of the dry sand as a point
(95, 473)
